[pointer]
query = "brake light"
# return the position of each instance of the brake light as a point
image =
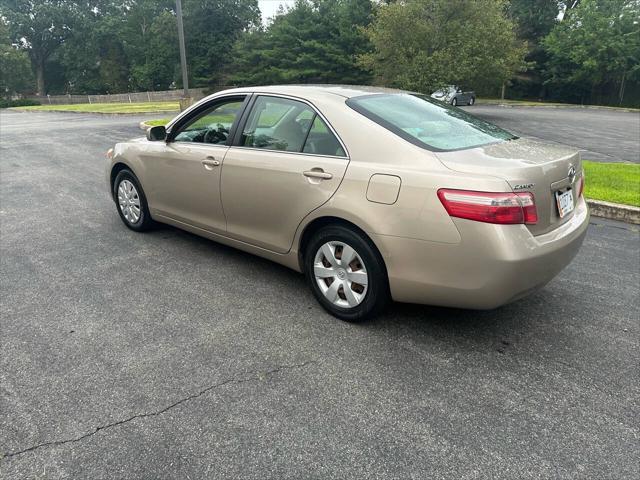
(528, 207)
(489, 207)
(581, 187)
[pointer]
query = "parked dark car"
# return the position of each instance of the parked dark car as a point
(455, 95)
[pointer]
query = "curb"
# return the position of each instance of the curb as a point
(590, 107)
(614, 211)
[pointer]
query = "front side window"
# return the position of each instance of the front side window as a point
(211, 126)
(427, 123)
(290, 126)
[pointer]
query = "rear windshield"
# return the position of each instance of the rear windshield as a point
(428, 123)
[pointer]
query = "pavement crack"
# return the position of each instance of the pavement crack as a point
(248, 377)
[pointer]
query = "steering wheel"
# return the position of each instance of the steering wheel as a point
(216, 135)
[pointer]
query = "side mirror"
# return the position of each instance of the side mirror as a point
(157, 133)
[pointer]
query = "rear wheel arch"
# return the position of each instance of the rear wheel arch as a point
(317, 224)
(365, 299)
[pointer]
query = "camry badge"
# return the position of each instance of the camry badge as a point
(571, 173)
(524, 186)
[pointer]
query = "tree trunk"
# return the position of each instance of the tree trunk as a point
(40, 78)
(504, 86)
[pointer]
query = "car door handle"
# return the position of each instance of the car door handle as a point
(317, 173)
(210, 163)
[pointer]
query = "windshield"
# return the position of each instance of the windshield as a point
(428, 123)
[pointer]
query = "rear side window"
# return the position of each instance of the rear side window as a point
(288, 125)
(321, 141)
(428, 123)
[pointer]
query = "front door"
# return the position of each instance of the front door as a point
(286, 162)
(184, 176)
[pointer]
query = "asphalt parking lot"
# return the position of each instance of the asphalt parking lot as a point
(605, 135)
(164, 355)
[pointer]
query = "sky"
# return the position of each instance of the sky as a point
(270, 7)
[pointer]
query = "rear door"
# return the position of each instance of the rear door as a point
(285, 162)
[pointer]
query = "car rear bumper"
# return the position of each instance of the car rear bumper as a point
(491, 266)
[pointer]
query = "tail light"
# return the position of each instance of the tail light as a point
(500, 207)
(581, 187)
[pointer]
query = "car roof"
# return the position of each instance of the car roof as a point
(346, 91)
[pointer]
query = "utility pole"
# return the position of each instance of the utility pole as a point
(183, 52)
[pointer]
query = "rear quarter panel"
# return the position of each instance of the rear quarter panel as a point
(417, 213)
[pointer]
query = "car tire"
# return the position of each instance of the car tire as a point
(131, 202)
(323, 264)
(454, 101)
(472, 100)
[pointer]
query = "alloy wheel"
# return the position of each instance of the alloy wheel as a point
(340, 274)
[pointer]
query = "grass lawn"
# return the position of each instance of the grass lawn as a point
(612, 182)
(143, 107)
(160, 121)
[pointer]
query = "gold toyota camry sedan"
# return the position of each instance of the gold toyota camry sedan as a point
(374, 194)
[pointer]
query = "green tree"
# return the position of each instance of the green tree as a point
(15, 70)
(93, 59)
(597, 44)
(211, 28)
(125, 46)
(159, 66)
(424, 44)
(313, 41)
(534, 19)
(40, 27)
(149, 36)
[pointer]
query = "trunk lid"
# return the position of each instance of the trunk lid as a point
(527, 166)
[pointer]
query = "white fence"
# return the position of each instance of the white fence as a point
(135, 97)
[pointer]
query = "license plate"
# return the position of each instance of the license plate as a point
(564, 200)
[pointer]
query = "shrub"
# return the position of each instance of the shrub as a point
(23, 102)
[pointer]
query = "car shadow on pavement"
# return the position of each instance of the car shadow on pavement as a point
(496, 329)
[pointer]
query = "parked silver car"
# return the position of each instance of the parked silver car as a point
(455, 95)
